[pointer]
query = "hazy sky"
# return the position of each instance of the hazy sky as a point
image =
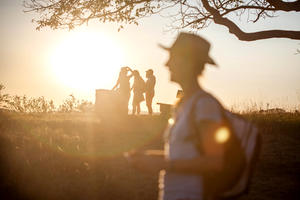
(56, 63)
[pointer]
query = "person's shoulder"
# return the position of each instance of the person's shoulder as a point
(206, 99)
(207, 107)
(152, 77)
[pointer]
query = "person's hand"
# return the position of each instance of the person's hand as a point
(145, 162)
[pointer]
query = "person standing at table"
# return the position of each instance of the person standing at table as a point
(123, 88)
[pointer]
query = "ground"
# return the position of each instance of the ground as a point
(79, 156)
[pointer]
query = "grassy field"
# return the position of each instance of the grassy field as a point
(78, 156)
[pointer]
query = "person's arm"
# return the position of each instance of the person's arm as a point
(151, 83)
(129, 76)
(213, 151)
(129, 69)
(212, 160)
(149, 161)
(118, 82)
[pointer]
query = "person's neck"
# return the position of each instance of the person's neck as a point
(190, 88)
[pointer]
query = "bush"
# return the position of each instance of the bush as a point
(23, 104)
(4, 98)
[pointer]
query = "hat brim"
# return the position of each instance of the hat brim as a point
(164, 47)
(209, 59)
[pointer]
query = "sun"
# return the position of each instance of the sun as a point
(87, 61)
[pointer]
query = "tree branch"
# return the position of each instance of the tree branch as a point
(285, 6)
(248, 7)
(234, 29)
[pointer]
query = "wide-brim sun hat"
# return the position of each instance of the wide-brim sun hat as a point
(191, 43)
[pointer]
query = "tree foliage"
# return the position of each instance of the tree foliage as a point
(195, 14)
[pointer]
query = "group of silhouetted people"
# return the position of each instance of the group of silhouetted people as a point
(139, 87)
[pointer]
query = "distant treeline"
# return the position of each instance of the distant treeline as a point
(24, 104)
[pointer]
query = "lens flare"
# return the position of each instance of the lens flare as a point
(222, 135)
(171, 121)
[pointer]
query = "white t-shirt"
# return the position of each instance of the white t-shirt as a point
(174, 186)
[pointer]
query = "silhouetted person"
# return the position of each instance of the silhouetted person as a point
(123, 88)
(149, 89)
(191, 148)
(138, 88)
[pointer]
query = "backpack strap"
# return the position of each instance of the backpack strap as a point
(192, 117)
(212, 186)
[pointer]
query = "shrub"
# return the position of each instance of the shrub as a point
(4, 98)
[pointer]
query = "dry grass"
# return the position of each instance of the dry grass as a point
(77, 156)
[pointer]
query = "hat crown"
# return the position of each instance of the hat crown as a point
(191, 42)
(193, 45)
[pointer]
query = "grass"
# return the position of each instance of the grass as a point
(78, 156)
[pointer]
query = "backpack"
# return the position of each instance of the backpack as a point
(241, 154)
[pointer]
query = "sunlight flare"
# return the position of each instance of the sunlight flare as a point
(171, 121)
(87, 61)
(222, 135)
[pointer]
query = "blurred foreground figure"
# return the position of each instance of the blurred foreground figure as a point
(138, 90)
(149, 91)
(123, 88)
(189, 152)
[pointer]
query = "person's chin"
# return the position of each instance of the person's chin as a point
(173, 79)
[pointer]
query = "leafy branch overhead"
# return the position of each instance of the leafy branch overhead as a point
(195, 14)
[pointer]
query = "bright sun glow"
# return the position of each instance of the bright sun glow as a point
(87, 61)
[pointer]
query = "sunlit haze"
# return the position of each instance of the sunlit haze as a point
(57, 63)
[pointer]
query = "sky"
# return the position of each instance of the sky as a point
(57, 63)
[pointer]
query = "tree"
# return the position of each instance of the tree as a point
(195, 14)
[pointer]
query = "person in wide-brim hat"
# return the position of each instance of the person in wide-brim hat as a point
(191, 148)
